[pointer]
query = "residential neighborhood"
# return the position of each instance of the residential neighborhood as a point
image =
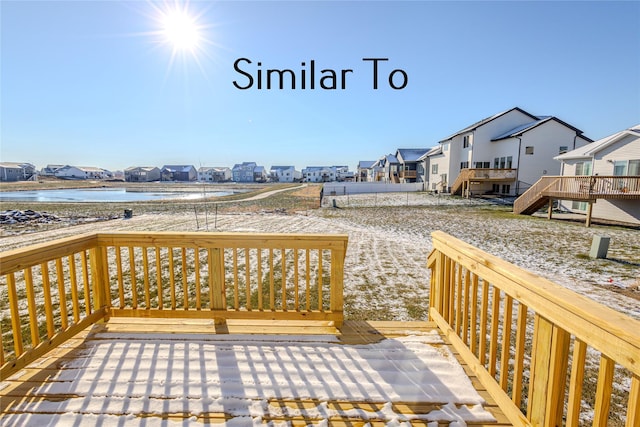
(505, 154)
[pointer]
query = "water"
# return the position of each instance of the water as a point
(101, 195)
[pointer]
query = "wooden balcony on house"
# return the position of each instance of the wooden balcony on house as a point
(146, 326)
(580, 188)
(475, 176)
(408, 174)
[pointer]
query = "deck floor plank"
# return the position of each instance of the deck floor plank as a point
(25, 386)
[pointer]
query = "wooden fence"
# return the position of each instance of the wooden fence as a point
(531, 342)
(51, 291)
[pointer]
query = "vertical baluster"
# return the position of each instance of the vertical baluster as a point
(74, 288)
(458, 300)
(134, 280)
(236, 293)
(172, 279)
(48, 306)
(603, 391)
(465, 311)
(64, 321)
(284, 279)
(145, 278)
(296, 289)
(119, 276)
(518, 374)
(484, 309)
(260, 302)
(320, 306)
(495, 318)
(272, 290)
(196, 263)
(159, 277)
(85, 282)
(247, 278)
(505, 355)
(575, 384)
(31, 302)
(308, 279)
(633, 404)
(474, 314)
(15, 315)
(185, 284)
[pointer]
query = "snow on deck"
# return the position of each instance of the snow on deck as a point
(115, 376)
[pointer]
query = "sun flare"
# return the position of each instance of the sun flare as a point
(181, 30)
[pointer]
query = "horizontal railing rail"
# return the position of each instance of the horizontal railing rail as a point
(482, 174)
(51, 291)
(521, 335)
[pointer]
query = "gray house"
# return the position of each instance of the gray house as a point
(183, 173)
(142, 174)
(13, 171)
(246, 172)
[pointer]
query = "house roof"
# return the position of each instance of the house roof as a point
(587, 151)
(389, 158)
(410, 154)
(144, 168)
(15, 165)
(366, 164)
(482, 122)
(432, 152)
(519, 130)
(281, 167)
(177, 168)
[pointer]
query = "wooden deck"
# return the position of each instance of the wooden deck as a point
(31, 384)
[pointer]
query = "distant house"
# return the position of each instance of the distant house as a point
(410, 167)
(243, 172)
(617, 155)
(14, 171)
(260, 174)
(50, 170)
(82, 172)
(184, 173)
(284, 174)
(502, 154)
(327, 174)
(390, 166)
(142, 174)
(214, 174)
(363, 172)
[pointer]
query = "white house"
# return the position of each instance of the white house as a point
(364, 171)
(285, 174)
(616, 155)
(214, 174)
(81, 172)
(50, 170)
(504, 154)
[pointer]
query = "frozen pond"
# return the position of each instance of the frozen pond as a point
(102, 195)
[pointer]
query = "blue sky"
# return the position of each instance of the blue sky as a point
(96, 83)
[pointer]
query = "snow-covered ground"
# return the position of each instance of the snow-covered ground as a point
(385, 271)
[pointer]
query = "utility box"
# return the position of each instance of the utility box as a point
(599, 246)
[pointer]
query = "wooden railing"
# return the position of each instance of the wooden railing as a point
(580, 188)
(51, 291)
(521, 335)
(408, 174)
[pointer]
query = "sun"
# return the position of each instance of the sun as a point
(181, 30)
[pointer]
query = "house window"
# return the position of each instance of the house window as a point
(506, 188)
(445, 147)
(464, 165)
(563, 149)
(509, 162)
(495, 188)
(465, 141)
(482, 165)
(503, 162)
(634, 167)
(620, 168)
(528, 150)
(583, 168)
(496, 163)
(434, 169)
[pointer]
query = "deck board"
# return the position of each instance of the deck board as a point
(26, 386)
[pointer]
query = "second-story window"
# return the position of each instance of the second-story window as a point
(465, 141)
(434, 169)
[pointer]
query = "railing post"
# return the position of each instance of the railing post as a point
(99, 278)
(549, 363)
(216, 281)
(337, 284)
